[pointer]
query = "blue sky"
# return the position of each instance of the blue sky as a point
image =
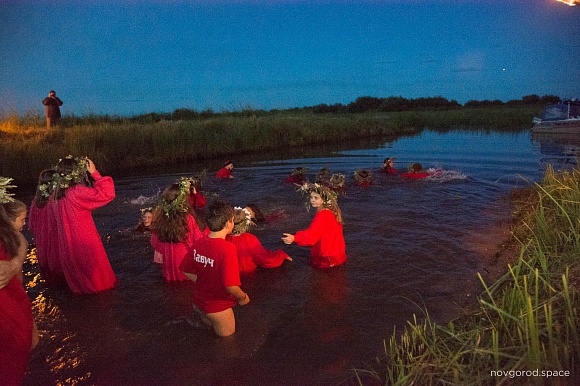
(129, 57)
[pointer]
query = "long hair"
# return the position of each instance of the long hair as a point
(70, 174)
(9, 239)
(44, 188)
(332, 205)
(170, 215)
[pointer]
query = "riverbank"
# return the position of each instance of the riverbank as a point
(525, 329)
(119, 145)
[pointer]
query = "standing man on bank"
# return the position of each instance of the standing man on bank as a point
(52, 104)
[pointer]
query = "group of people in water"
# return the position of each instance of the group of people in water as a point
(207, 244)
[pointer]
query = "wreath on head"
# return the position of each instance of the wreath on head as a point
(363, 175)
(241, 226)
(328, 195)
(180, 203)
(66, 180)
(4, 186)
(337, 180)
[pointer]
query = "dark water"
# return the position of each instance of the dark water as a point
(409, 242)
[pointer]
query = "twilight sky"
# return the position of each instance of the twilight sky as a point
(126, 57)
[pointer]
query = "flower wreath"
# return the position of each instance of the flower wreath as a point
(241, 226)
(328, 196)
(180, 203)
(4, 186)
(337, 180)
(363, 175)
(63, 181)
(145, 210)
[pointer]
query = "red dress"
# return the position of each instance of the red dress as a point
(224, 173)
(324, 236)
(42, 222)
(215, 262)
(173, 253)
(252, 254)
(83, 258)
(197, 200)
(15, 330)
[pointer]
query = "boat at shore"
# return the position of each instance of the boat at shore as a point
(561, 118)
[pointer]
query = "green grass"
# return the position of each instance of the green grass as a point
(526, 321)
(118, 144)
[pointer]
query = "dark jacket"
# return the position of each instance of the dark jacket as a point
(52, 109)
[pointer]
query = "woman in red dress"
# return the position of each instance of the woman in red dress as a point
(174, 229)
(82, 189)
(17, 329)
(251, 253)
(42, 223)
(324, 235)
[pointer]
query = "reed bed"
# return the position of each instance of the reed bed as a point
(117, 144)
(526, 326)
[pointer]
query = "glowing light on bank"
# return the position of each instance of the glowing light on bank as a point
(571, 3)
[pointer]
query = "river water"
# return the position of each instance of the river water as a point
(410, 243)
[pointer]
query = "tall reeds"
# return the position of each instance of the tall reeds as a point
(117, 144)
(527, 324)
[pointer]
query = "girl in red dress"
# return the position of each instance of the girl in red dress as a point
(174, 229)
(251, 253)
(42, 223)
(17, 329)
(80, 190)
(324, 235)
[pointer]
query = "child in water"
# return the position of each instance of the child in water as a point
(146, 220)
(363, 177)
(324, 235)
(251, 253)
(18, 334)
(42, 223)
(174, 230)
(388, 166)
(416, 171)
(213, 266)
(297, 176)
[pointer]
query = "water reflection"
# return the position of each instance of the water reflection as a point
(409, 243)
(560, 150)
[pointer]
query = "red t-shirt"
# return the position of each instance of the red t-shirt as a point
(224, 173)
(325, 237)
(215, 262)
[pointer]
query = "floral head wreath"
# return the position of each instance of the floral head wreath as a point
(75, 176)
(328, 196)
(337, 180)
(241, 226)
(4, 186)
(362, 175)
(145, 210)
(180, 203)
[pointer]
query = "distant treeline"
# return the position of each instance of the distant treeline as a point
(360, 105)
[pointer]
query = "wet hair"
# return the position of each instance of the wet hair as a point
(415, 168)
(67, 167)
(258, 215)
(170, 216)
(9, 239)
(44, 187)
(218, 214)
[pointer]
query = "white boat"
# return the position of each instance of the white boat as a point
(563, 118)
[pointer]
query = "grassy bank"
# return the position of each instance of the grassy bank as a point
(119, 144)
(527, 321)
